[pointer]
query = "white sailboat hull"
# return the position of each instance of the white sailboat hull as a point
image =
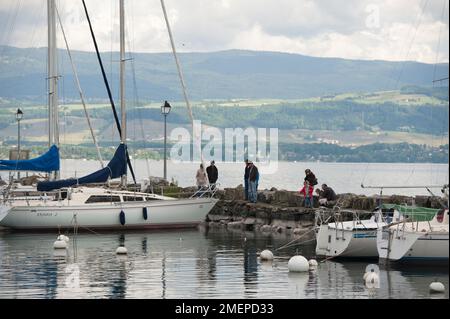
(4, 210)
(347, 243)
(160, 214)
(355, 238)
(413, 246)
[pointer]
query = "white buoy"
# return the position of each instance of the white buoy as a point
(373, 268)
(365, 276)
(298, 264)
(372, 280)
(313, 263)
(121, 250)
(63, 237)
(266, 255)
(60, 244)
(437, 287)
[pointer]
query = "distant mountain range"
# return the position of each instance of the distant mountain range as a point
(215, 75)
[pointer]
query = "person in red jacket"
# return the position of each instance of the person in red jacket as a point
(307, 191)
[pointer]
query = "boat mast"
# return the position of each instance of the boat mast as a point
(123, 139)
(52, 68)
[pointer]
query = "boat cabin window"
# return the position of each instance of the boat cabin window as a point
(133, 198)
(102, 199)
(151, 198)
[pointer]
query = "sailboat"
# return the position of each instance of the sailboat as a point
(64, 204)
(416, 240)
(353, 238)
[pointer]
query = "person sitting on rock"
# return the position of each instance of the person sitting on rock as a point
(327, 196)
(307, 191)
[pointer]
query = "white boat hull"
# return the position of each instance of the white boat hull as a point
(347, 243)
(413, 246)
(160, 214)
(4, 210)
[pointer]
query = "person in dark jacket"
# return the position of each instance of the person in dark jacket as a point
(252, 180)
(327, 196)
(246, 175)
(310, 177)
(213, 173)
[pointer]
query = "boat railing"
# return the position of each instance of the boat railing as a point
(206, 191)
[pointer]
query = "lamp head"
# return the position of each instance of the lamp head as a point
(19, 114)
(165, 109)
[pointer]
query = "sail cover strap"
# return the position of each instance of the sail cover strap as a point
(105, 80)
(47, 162)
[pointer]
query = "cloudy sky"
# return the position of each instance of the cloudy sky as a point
(360, 29)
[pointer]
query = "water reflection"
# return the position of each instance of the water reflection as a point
(188, 264)
(250, 270)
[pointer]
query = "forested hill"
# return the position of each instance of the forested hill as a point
(214, 75)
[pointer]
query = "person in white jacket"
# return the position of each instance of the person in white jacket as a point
(202, 179)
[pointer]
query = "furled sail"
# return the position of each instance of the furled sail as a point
(47, 162)
(115, 168)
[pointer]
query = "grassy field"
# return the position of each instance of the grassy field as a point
(74, 129)
(357, 138)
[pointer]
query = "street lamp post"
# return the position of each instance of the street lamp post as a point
(19, 116)
(165, 110)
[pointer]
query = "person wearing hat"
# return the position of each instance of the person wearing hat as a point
(213, 173)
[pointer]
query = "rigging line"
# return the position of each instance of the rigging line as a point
(33, 36)
(5, 22)
(439, 41)
(137, 104)
(80, 91)
(180, 72)
(396, 66)
(411, 43)
(108, 89)
(183, 85)
(141, 123)
(11, 23)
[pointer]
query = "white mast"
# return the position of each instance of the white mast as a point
(123, 139)
(53, 127)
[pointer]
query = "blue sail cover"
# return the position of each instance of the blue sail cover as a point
(47, 162)
(115, 168)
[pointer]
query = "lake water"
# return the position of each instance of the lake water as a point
(342, 177)
(189, 264)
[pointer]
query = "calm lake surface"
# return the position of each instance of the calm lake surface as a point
(198, 263)
(343, 177)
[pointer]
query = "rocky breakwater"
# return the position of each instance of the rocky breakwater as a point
(282, 211)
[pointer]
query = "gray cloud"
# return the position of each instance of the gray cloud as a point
(362, 29)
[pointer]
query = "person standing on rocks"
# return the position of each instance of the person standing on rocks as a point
(202, 180)
(307, 191)
(310, 177)
(213, 174)
(252, 178)
(246, 176)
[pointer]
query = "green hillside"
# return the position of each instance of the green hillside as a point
(233, 74)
